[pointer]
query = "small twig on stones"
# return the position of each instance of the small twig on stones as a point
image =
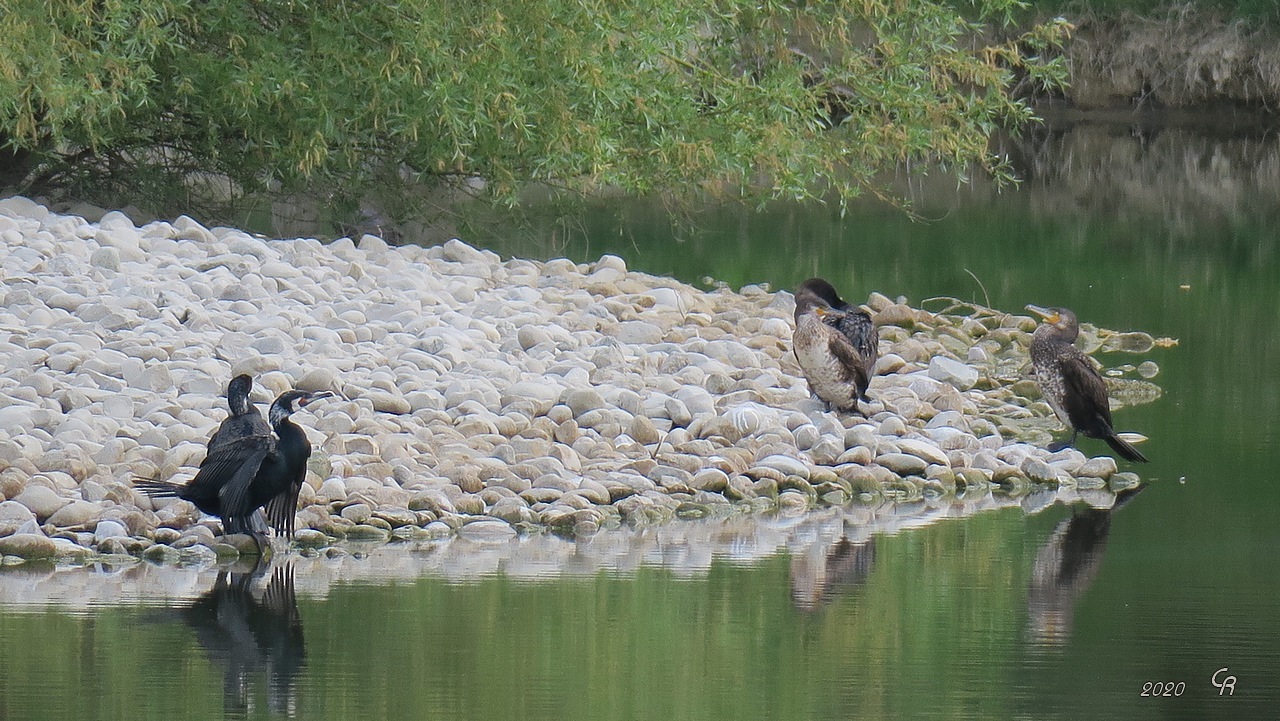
(986, 298)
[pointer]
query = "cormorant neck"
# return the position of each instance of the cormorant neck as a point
(1053, 332)
(239, 405)
(279, 414)
(807, 300)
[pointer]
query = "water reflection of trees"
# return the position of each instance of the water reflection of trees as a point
(1187, 178)
(249, 634)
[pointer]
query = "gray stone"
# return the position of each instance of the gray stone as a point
(469, 504)
(333, 489)
(541, 396)
(459, 252)
(512, 510)
(612, 261)
(897, 314)
(785, 465)
(487, 531)
(581, 400)
(388, 402)
(892, 426)
(924, 450)
(697, 400)
(41, 500)
(30, 546)
(395, 517)
(106, 259)
(902, 464)
(1037, 470)
(438, 529)
(1098, 467)
(161, 554)
(638, 332)
(531, 335)
(357, 513)
(13, 515)
(310, 538)
(113, 529)
(710, 479)
(954, 372)
(317, 379)
(243, 543)
(76, 513)
(368, 533)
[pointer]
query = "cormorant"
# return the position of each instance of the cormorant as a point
(241, 474)
(1066, 566)
(1070, 383)
(836, 345)
(245, 420)
(824, 572)
(252, 636)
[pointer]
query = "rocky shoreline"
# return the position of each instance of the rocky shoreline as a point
(479, 399)
(687, 549)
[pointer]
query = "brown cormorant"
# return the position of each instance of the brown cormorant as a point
(827, 571)
(1070, 384)
(836, 345)
(242, 474)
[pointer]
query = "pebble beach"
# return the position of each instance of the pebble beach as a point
(478, 399)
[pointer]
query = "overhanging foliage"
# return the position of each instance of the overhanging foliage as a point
(764, 99)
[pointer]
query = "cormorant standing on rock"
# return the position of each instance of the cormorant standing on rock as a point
(244, 473)
(836, 345)
(1070, 383)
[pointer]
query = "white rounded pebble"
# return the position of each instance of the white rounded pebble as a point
(109, 529)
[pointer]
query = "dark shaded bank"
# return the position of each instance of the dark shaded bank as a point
(1184, 57)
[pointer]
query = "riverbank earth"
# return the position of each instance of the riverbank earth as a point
(1205, 66)
(479, 398)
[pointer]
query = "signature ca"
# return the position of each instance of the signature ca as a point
(1223, 683)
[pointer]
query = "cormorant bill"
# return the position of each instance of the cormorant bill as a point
(836, 345)
(1070, 383)
(240, 475)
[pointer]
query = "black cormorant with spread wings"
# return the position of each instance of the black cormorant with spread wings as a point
(247, 471)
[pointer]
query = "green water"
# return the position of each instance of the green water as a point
(946, 621)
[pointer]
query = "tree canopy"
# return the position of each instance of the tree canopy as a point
(760, 98)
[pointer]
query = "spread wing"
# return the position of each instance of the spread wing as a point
(1086, 394)
(284, 506)
(229, 469)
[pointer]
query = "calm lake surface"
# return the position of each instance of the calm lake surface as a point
(1067, 612)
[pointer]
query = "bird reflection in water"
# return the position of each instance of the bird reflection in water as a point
(251, 633)
(825, 571)
(1065, 567)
